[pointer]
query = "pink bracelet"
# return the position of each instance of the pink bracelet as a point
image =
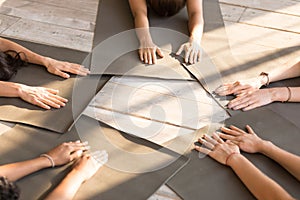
(230, 156)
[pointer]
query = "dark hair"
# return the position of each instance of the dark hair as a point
(166, 7)
(10, 62)
(8, 190)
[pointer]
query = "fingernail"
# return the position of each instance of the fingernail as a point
(85, 143)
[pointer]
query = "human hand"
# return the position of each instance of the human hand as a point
(88, 165)
(248, 142)
(67, 152)
(251, 100)
(148, 51)
(60, 68)
(192, 51)
(40, 96)
(240, 87)
(216, 148)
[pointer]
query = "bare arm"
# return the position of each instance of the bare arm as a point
(83, 170)
(53, 66)
(196, 21)
(261, 186)
(227, 153)
(251, 143)
(287, 160)
(61, 154)
(148, 49)
(290, 70)
(193, 47)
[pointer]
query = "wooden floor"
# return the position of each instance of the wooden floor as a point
(251, 26)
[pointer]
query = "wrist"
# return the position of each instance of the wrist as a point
(264, 79)
(77, 176)
(45, 61)
(279, 94)
(44, 162)
(233, 158)
(265, 147)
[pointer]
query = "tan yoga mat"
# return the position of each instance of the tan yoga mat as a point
(120, 178)
(204, 178)
(78, 90)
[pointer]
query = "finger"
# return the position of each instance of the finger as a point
(230, 131)
(191, 57)
(61, 74)
(76, 154)
(49, 102)
(239, 88)
(180, 50)
(159, 52)
(206, 143)
(59, 98)
(153, 56)
(252, 106)
(250, 130)
(40, 104)
(187, 55)
(210, 139)
(202, 150)
(74, 69)
(226, 136)
(223, 90)
(145, 54)
(217, 137)
(52, 91)
(232, 127)
(141, 55)
(56, 99)
(149, 57)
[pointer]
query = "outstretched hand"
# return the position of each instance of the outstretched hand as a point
(192, 51)
(148, 51)
(248, 142)
(216, 148)
(239, 87)
(42, 97)
(67, 152)
(88, 165)
(61, 68)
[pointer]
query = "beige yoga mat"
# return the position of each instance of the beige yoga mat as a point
(118, 179)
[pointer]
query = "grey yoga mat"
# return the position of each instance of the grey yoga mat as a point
(116, 44)
(110, 182)
(204, 178)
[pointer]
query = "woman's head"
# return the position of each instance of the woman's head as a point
(10, 62)
(8, 190)
(166, 7)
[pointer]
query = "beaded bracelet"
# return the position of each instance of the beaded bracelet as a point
(49, 158)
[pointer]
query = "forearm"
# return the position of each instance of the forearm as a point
(68, 187)
(196, 21)
(288, 160)
(15, 171)
(9, 89)
(282, 94)
(28, 55)
(261, 186)
(289, 70)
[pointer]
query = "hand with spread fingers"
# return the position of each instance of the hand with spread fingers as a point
(148, 51)
(240, 87)
(60, 68)
(40, 96)
(251, 100)
(192, 51)
(216, 148)
(248, 142)
(67, 152)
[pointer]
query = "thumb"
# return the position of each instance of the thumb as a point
(159, 52)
